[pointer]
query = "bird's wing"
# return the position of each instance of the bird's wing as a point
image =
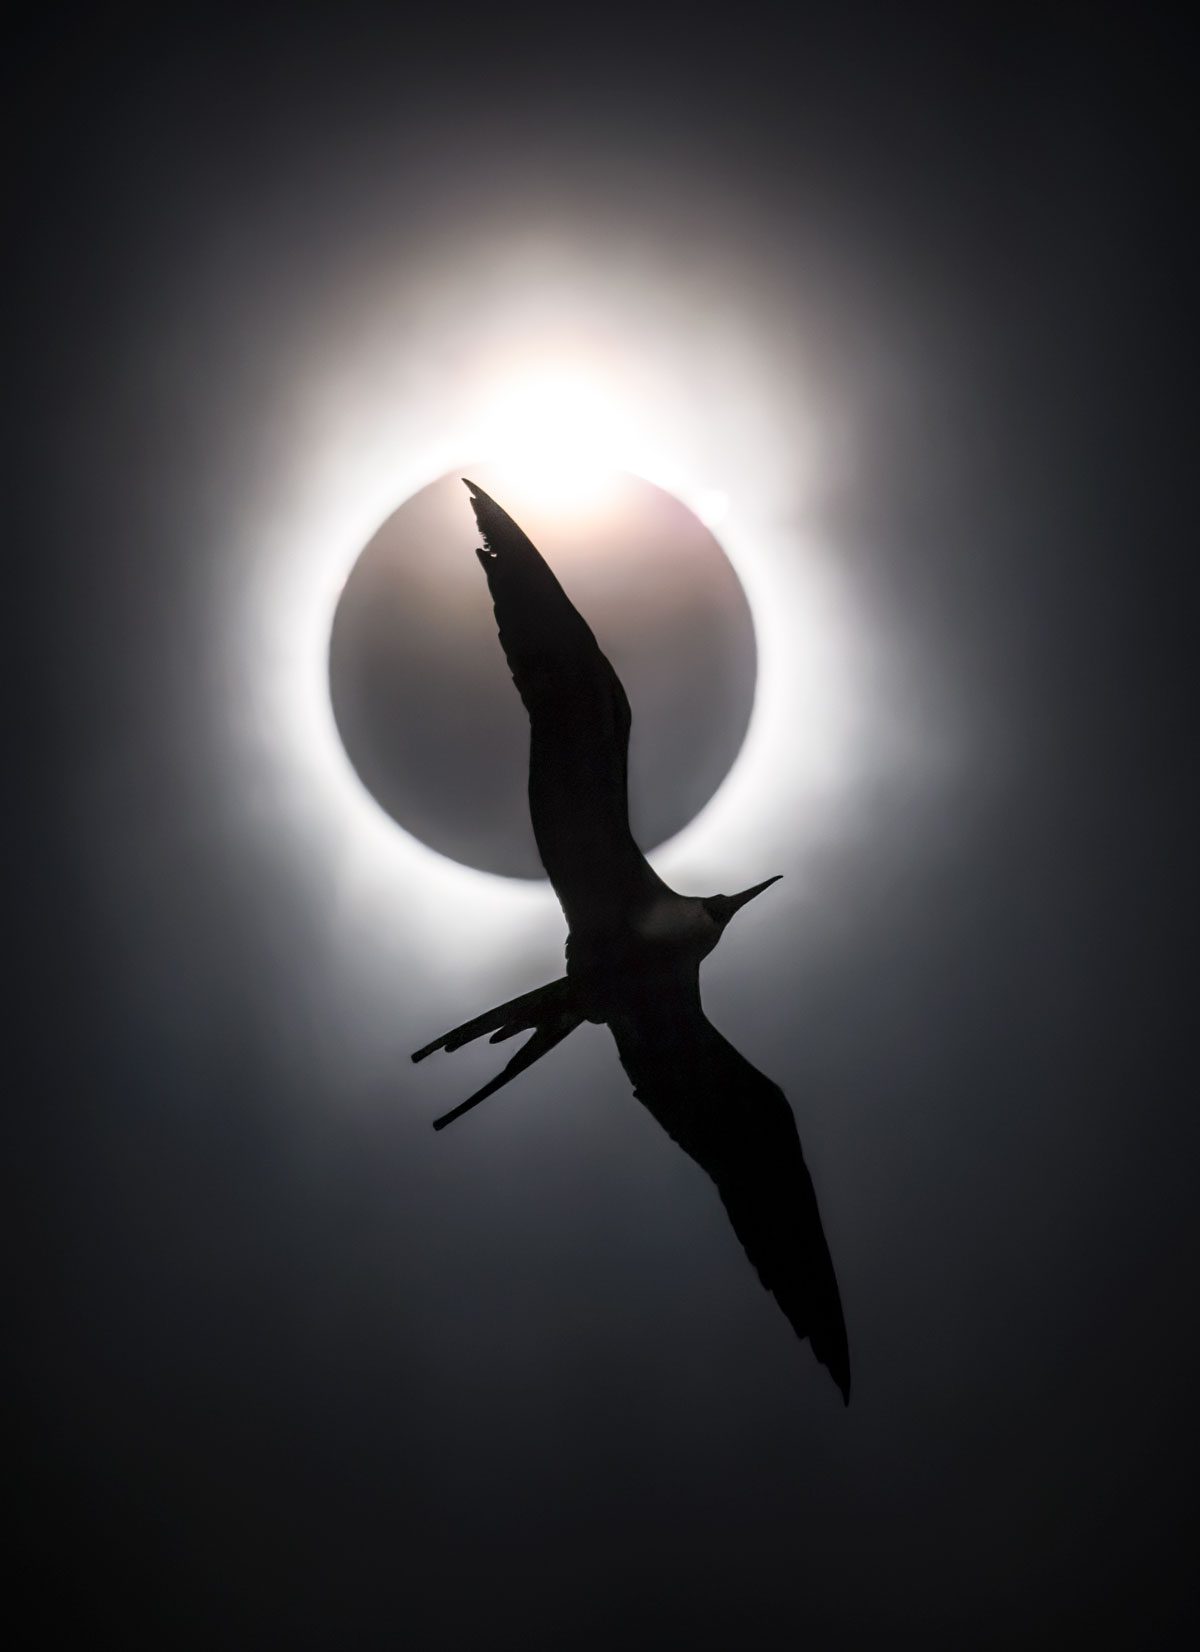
(738, 1126)
(579, 727)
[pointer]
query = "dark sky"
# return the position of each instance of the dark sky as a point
(297, 1371)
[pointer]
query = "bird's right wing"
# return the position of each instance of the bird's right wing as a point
(738, 1126)
(579, 728)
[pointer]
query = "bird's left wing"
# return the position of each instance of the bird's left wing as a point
(579, 726)
(738, 1127)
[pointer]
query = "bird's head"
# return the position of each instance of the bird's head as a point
(720, 908)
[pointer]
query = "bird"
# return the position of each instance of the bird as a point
(634, 948)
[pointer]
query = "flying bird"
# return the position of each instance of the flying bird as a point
(634, 947)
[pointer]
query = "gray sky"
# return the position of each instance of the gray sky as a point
(301, 1371)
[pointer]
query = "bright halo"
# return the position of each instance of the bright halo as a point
(556, 434)
(405, 405)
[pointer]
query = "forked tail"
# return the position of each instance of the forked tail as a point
(548, 1010)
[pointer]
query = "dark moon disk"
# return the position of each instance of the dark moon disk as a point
(423, 697)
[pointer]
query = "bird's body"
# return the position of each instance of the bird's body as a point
(635, 946)
(655, 942)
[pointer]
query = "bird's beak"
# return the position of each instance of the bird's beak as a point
(747, 895)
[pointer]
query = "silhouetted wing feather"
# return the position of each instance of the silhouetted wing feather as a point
(738, 1126)
(579, 724)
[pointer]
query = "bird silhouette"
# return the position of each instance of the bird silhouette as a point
(635, 946)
